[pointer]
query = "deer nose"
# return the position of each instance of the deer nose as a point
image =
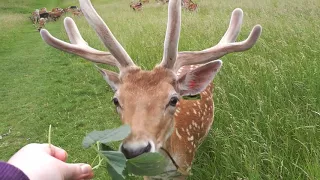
(131, 152)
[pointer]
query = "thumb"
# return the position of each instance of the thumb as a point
(77, 171)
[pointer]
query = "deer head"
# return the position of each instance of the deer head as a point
(147, 100)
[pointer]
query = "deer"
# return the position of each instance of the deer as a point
(74, 10)
(57, 9)
(43, 10)
(35, 16)
(151, 101)
(44, 13)
(192, 6)
(189, 5)
(56, 14)
(42, 23)
(136, 6)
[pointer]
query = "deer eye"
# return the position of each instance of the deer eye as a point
(116, 102)
(173, 101)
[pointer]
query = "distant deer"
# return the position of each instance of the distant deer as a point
(44, 13)
(56, 13)
(42, 23)
(57, 9)
(74, 10)
(43, 10)
(35, 16)
(189, 5)
(137, 6)
(150, 101)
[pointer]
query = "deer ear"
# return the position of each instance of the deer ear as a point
(112, 78)
(195, 81)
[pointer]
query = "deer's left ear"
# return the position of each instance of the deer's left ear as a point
(195, 81)
(112, 78)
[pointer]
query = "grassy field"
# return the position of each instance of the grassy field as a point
(267, 100)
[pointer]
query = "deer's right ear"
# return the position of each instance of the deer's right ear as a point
(112, 78)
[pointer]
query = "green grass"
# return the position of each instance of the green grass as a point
(267, 99)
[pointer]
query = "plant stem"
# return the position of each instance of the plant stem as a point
(99, 156)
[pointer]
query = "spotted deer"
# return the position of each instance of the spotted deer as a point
(35, 16)
(42, 23)
(43, 10)
(56, 13)
(136, 6)
(151, 102)
(189, 5)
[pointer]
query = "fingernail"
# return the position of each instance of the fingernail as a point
(85, 169)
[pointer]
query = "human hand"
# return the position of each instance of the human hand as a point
(44, 161)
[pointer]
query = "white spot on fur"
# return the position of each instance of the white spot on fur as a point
(190, 138)
(177, 133)
(194, 111)
(194, 124)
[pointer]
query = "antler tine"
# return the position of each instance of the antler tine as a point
(73, 32)
(171, 42)
(226, 45)
(234, 27)
(105, 34)
(78, 46)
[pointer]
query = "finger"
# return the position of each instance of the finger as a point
(59, 153)
(77, 171)
(56, 152)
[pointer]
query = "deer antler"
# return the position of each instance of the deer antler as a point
(78, 46)
(117, 56)
(226, 45)
(171, 41)
(105, 34)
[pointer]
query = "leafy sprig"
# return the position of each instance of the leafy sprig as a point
(118, 167)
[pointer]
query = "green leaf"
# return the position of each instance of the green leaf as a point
(192, 97)
(116, 163)
(113, 174)
(106, 136)
(147, 164)
(105, 147)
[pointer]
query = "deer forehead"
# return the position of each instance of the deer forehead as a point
(140, 82)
